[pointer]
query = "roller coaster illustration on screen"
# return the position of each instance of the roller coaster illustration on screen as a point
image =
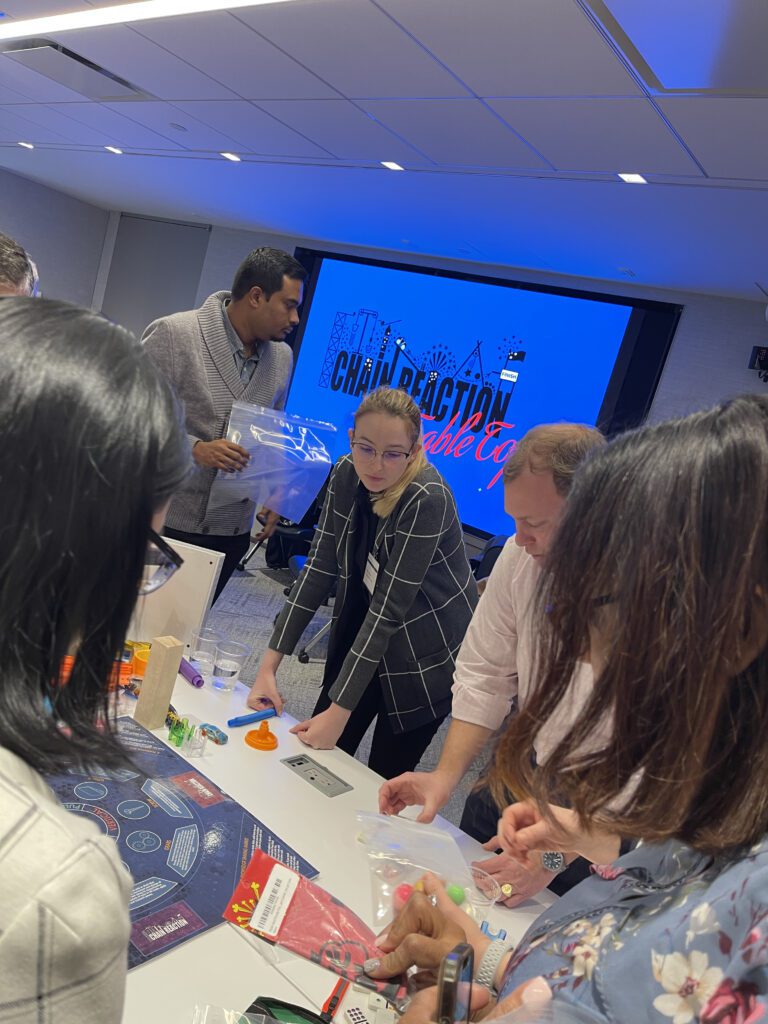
(464, 402)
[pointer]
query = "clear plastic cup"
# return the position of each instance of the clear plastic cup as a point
(480, 897)
(228, 663)
(203, 655)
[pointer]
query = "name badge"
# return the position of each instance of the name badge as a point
(371, 574)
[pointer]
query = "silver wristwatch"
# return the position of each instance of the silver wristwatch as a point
(486, 972)
(552, 860)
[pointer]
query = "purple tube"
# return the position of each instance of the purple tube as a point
(190, 673)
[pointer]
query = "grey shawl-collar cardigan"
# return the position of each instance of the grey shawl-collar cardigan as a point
(193, 351)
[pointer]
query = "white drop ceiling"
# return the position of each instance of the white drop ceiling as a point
(512, 119)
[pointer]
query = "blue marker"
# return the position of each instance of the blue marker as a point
(257, 716)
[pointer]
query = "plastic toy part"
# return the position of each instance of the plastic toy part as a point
(214, 733)
(486, 930)
(401, 896)
(262, 738)
(456, 893)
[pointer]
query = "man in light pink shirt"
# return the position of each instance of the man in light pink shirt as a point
(495, 662)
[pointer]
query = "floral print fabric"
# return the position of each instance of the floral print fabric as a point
(665, 935)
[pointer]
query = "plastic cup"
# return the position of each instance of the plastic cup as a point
(203, 644)
(228, 663)
(480, 897)
(140, 659)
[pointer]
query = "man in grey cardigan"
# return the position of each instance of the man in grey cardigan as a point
(231, 349)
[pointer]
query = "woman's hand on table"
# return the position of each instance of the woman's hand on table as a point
(264, 687)
(533, 995)
(506, 870)
(322, 732)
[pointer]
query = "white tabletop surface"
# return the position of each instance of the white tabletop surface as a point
(224, 967)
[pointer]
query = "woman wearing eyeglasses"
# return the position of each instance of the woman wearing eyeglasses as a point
(390, 532)
(91, 453)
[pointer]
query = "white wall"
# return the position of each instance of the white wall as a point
(63, 235)
(709, 354)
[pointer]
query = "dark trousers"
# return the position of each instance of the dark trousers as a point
(392, 753)
(233, 548)
(480, 820)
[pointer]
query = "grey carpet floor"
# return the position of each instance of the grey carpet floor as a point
(245, 612)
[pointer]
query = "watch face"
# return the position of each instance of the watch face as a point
(553, 861)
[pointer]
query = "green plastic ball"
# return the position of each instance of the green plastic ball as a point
(456, 893)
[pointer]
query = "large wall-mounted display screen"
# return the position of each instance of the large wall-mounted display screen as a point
(485, 361)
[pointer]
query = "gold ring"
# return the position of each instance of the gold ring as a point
(507, 890)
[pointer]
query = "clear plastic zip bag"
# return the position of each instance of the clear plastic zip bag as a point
(290, 460)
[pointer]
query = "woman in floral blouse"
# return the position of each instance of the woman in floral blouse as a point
(660, 571)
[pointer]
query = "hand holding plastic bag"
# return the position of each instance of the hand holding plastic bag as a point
(290, 458)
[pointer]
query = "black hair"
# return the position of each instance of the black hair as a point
(92, 446)
(266, 269)
(16, 268)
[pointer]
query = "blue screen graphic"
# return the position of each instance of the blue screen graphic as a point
(484, 362)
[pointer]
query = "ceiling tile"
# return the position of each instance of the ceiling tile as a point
(354, 47)
(16, 128)
(253, 130)
(517, 47)
(57, 121)
(598, 134)
(457, 132)
(227, 50)
(117, 128)
(143, 63)
(339, 127)
(691, 45)
(10, 95)
(41, 8)
(726, 135)
(160, 116)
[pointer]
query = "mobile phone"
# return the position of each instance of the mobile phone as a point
(454, 985)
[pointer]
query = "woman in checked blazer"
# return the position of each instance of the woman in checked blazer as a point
(389, 531)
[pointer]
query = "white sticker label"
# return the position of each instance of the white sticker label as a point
(371, 574)
(275, 901)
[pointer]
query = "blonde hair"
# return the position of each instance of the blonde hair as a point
(556, 448)
(396, 402)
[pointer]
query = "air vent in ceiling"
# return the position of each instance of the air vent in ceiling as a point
(71, 70)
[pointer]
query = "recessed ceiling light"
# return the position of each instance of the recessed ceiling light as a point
(391, 166)
(633, 179)
(231, 156)
(114, 149)
(121, 14)
(27, 145)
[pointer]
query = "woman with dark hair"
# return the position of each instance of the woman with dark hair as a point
(92, 450)
(659, 570)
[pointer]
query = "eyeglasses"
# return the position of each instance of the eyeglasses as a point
(163, 559)
(367, 453)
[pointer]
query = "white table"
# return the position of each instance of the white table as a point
(222, 967)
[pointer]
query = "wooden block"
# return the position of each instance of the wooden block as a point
(159, 681)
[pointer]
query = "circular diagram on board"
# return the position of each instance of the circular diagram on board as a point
(144, 841)
(133, 809)
(90, 791)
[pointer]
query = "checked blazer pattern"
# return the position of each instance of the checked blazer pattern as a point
(421, 606)
(192, 350)
(64, 923)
